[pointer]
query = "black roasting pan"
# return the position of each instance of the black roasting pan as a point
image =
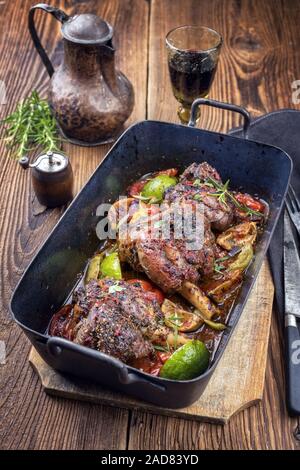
(145, 147)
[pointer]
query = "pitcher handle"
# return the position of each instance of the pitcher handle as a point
(59, 15)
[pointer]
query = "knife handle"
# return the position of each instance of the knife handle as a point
(292, 347)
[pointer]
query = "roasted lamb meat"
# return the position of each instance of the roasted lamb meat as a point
(197, 242)
(117, 318)
(172, 261)
(169, 262)
(194, 184)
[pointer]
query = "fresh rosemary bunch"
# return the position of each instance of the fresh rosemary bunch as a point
(31, 125)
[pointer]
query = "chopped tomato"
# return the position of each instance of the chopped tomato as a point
(69, 329)
(59, 321)
(250, 202)
(155, 369)
(148, 287)
(64, 321)
(136, 187)
(150, 365)
(169, 172)
(163, 356)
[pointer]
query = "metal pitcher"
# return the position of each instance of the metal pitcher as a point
(89, 97)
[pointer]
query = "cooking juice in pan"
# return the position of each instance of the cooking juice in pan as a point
(114, 288)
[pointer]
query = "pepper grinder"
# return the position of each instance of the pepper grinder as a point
(52, 178)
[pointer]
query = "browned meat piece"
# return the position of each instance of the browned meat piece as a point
(128, 253)
(165, 265)
(191, 187)
(108, 330)
(203, 258)
(200, 171)
(220, 215)
(169, 262)
(122, 320)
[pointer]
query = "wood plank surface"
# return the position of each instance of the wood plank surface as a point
(29, 418)
(258, 63)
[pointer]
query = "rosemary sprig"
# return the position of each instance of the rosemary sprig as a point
(158, 347)
(176, 322)
(245, 209)
(31, 125)
(175, 328)
(197, 182)
(223, 192)
(218, 268)
(224, 258)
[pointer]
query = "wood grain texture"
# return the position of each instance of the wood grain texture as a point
(258, 64)
(28, 418)
(259, 61)
(265, 426)
(237, 383)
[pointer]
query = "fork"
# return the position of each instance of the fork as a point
(293, 206)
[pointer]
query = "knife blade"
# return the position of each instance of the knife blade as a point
(292, 312)
(291, 270)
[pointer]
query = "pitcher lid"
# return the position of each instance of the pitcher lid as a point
(87, 29)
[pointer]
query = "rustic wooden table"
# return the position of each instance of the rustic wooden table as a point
(259, 61)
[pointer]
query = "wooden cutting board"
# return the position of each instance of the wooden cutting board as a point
(237, 382)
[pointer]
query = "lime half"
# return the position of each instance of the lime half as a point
(156, 187)
(187, 362)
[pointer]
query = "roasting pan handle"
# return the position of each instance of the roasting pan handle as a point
(63, 350)
(135, 379)
(220, 105)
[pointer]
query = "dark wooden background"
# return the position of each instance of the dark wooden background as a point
(260, 60)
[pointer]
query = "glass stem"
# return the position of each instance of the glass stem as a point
(184, 113)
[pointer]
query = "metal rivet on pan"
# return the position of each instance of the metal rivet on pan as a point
(55, 350)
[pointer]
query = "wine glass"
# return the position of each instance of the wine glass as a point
(193, 53)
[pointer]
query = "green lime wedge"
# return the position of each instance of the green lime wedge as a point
(156, 187)
(111, 267)
(187, 362)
